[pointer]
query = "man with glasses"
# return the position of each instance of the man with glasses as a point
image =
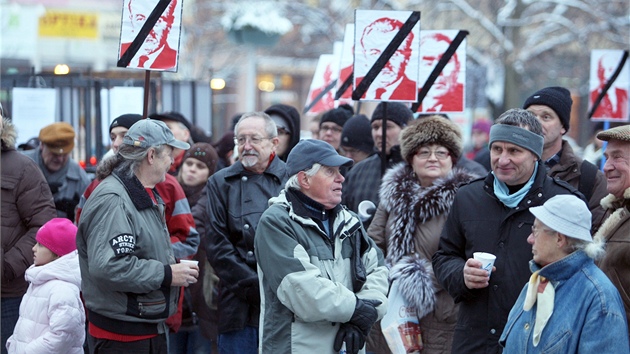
(236, 198)
(491, 215)
(331, 125)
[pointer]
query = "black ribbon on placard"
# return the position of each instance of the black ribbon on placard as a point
(345, 86)
(137, 42)
(448, 54)
(609, 83)
(319, 96)
(391, 48)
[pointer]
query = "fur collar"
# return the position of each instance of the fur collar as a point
(610, 202)
(410, 204)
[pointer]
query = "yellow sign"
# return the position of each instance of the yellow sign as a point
(68, 24)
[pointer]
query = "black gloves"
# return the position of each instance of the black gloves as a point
(365, 315)
(351, 334)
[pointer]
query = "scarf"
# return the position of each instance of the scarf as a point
(540, 291)
(55, 179)
(512, 200)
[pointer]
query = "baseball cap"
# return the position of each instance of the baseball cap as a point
(150, 132)
(309, 152)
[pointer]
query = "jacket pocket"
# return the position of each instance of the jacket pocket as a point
(154, 305)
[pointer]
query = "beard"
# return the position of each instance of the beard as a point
(249, 158)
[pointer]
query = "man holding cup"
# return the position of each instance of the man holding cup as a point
(491, 215)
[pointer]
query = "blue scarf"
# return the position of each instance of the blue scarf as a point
(511, 200)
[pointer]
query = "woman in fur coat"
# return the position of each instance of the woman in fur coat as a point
(415, 198)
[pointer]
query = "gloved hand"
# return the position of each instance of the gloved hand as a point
(352, 335)
(365, 314)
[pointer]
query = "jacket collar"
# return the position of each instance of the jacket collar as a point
(138, 194)
(306, 207)
(563, 268)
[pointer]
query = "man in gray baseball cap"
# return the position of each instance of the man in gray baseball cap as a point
(130, 280)
(316, 261)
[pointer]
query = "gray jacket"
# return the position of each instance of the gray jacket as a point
(125, 255)
(310, 282)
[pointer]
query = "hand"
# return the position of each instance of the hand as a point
(352, 335)
(474, 276)
(184, 274)
(365, 315)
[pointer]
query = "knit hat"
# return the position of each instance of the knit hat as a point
(309, 152)
(396, 112)
(225, 144)
(357, 133)
(339, 115)
(482, 126)
(58, 235)
(148, 132)
(431, 130)
(59, 137)
(556, 98)
(566, 214)
(283, 115)
(125, 120)
(174, 116)
(619, 133)
(205, 153)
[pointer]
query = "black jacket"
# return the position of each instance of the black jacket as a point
(478, 221)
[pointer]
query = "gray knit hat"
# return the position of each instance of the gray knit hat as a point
(431, 130)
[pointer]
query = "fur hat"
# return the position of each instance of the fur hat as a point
(338, 115)
(59, 137)
(431, 130)
(396, 112)
(357, 133)
(58, 235)
(205, 153)
(557, 98)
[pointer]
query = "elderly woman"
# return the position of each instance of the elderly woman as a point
(569, 305)
(415, 198)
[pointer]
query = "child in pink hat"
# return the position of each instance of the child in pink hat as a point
(52, 318)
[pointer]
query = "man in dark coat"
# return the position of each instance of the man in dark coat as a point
(491, 215)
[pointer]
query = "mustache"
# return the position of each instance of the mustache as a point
(250, 153)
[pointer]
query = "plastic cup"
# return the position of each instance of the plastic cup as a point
(486, 259)
(189, 261)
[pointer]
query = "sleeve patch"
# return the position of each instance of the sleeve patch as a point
(123, 244)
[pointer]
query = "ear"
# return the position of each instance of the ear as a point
(561, 240)
(151, 155)
(303, 180)
(275, 141)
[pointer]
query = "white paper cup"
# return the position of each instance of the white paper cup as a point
(189, 261)
(487, 260)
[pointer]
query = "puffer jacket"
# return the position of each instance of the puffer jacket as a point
(236, 198)
(479, 221)
(125, 255)
(27, 204)
(615, 232)
(407, 226)
(310, 281)
(52, 318)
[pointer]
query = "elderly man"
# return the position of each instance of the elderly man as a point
(615, 230)
(27, 204)
(552, 107)
(66, 178)
(324, 280)
(236, 198)
(571, 304)
(130, 280)
(491, 215)
(181, 128)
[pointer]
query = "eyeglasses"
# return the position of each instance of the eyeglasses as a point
(537, 230)
(254, 140)
(332, 128)
(439, 154)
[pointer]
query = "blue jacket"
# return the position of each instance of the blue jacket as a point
(588, 315)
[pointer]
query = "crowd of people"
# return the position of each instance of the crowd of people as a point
(261, 241)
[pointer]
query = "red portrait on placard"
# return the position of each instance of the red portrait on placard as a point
(614, 104)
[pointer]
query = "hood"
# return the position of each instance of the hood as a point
(64, 268)
(9, 135)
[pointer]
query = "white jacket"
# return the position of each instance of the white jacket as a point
(52, 318)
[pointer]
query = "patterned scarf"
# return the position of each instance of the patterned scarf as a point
(540, 291)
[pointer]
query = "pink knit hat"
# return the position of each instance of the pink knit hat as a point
(58, 235)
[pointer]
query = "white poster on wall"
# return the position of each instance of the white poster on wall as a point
(32, 109)
(118, 101)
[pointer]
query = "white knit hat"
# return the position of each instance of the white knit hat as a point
(566, 214)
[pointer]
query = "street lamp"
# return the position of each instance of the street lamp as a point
(62, 69)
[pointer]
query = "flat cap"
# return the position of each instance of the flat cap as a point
(58, 137)
(618, 133)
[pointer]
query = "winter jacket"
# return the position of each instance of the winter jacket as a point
(478, 221)
(615, 231)
(52, 318)
(569, 169)
(236, 198)
(67, 184)
(125, 256)
(588, 315)
(27, 204)
(407, 226)
(309, 281)
(364, 179)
